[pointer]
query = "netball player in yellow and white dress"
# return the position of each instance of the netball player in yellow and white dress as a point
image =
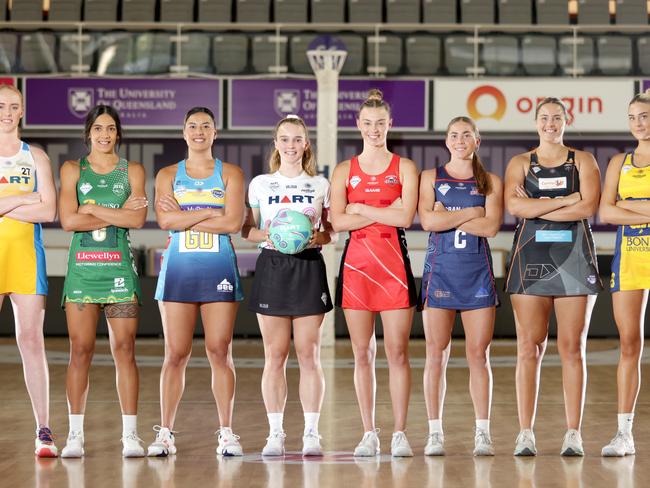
(626, 202)
(27, 198)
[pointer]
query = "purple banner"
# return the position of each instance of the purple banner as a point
(259, 104)
(645, 85)
(142, 103)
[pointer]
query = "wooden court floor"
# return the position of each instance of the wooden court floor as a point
(197, 465)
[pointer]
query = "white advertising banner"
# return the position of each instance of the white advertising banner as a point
(594, 105)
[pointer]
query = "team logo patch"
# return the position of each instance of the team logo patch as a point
(225, 286)
(481, 293)
(217, 193)
(591, 279)
(323, 298)
(625, 169)
(474, 191)
(354, 181)
(444, 188)
(391, 180)
(536, 169)
(85, 187)
(119, 285)
(80, 100)
(102, 184)
(118, 189)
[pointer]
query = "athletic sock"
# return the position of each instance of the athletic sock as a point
(484, 425)
(76, 422)
(311, 421)
(275, 422)
(625, 421)
(129, 424)
(435, 426)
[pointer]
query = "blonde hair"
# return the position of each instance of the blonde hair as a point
(308, 157)
(7, 86)
(643, 97)
(375, 99)
(483, 181)
(555, 101)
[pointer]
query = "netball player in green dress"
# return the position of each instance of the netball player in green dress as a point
(102, 197)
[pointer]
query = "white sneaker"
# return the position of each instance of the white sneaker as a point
(228, 443)
(525, 444)
(311, 444)
(44, 443)
(369, 445)
(621, 445)
(399, 445)
(483, 444)
(74, 446)
(435, 444)
(274, 444)
(132, 446)
(572, 445)
(164, 444)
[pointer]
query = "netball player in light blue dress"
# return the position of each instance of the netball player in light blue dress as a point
(200, 200)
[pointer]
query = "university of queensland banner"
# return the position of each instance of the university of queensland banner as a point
(142, 103)
(255, 104)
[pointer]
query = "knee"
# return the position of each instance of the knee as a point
(571, 349)
(364, 356)
(124, 349)
(308, 359)
(81, 352)
(177, 358)
(631, 347)
(397, 355)
(437, 354)
(219, 354)
(276, 359)
(530, 350)
(30, 340)
(477, 356)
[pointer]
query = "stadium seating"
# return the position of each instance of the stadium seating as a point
(139, 10)
(539, 55)
(68, 52)
(176, 10)
(328, 11)
(631, 12)
(65, 10)
(459, 54)
(501, 55)
(37, 52)
(27, 10)
(515, 12)
(152, 53)
(643, 53)
(253, 11)
(552, 11)
(423, 54)
(403, 11)
(355, 61)
(114, 53)
(230, 53)
(365, 11)
(439, 11)
(593, 12)
(477, 12)
(290, 11)
(266, 57)
(215, 11)
(3, 9)
(614, 55)
(384, 54)
(8, 51)
(100, 10)
(585, 55)
(195, 52)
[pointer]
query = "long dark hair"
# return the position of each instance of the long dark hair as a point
(92, 116)
(199, 110)
(483, 181)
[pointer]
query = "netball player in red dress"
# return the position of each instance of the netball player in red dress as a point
(374, 197)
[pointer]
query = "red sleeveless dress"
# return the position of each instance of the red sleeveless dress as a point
(375, 271)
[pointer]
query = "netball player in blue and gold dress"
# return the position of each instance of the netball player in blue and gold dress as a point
(461, 204)
(553, 190)
(626, 202)
(27, 198)
(200, 200)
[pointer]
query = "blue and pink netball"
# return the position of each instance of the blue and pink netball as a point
(290, 231)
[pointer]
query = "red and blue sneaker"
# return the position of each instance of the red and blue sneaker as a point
(44, 443)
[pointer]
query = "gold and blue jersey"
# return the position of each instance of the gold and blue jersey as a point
(22, 257)
(199, 266)
(631, 263)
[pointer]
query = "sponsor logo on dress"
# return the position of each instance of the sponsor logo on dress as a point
(552, 183)
(85, 187)
(217, 193)
(482, 292)
(591, 279)
(323, 298)
(119, 285)
(354, 181)
(264, 305)
(442, 294)
(293, 199)
(225, 286)
(474, 191)
(274, 185)
(540, 272)
(118, 189)
(444, 188)
(391, 180)
(536, 169)
(102, 183)
(372, 190)
(291, 187)
(96, 256)
(625, 169)
(14, 179)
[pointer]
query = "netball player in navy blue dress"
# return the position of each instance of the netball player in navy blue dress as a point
(200, 200)
(553, 190)
(461, 204)
(290, 292)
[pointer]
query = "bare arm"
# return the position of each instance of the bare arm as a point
(433, 215)
(131, 215)
(43, 210)
(610, 211)
(232, 218)
(587, 206)
(168, 213)
(488, 225)
(641, 207)
(251, 229)
(396, 216)
(526, 208)
(342, 221)
(325, 234)
(71, 219)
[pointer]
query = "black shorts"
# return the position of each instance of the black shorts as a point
(290, 284)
